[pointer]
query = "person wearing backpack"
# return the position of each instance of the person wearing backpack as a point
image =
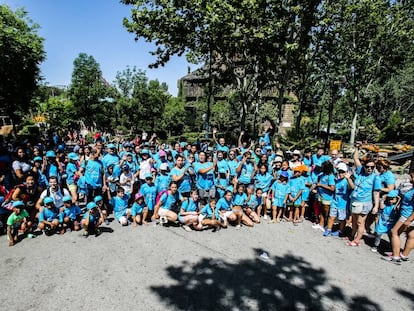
(55, 192)
(168, 206)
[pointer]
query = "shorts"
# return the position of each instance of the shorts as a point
(163, 212)
(340, 214)
(226, 215)
(324, 202)
(362, 208)
(181, 219)
(73, 188)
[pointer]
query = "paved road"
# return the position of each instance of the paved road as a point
(166, 268)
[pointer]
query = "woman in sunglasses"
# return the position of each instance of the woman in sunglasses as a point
(364, 197)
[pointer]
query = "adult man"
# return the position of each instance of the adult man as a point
(53, 191)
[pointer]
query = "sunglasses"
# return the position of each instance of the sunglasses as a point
(370, 166)
(341, 171)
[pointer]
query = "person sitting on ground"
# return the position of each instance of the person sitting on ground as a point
(69, 217)
(138, 210)
(48, 216)
(91, 221)
(168, 206)
(190, 208)
(18, 221)
(120, 206)
(207, 217)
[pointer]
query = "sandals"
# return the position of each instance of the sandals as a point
(352, 243)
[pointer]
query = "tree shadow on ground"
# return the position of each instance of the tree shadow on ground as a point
(278, 283)
(406, 294)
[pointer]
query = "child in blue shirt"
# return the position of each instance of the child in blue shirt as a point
(139, 210)
(254, 204)
(340, 202)
(91, 221)
(207, 216)
(388, 216)
(280, 193)
(222, 183)
(82, 191)
(120, 206)
(188, 215)
(149, 191)
(70, 215)
(48, 216)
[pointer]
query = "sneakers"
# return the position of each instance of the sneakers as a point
(163, 220)
(394, 260)
(404, 258)
(374, 249)
(327, 232)
(318, 226)
(85, 234)
(238, 227)
(106, 221)
(187, 228)
(336, 233)
(265, 217)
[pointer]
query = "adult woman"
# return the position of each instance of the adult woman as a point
(28, 193)
(364, 197)
(326, 189)
(168, 205)
(20, 166)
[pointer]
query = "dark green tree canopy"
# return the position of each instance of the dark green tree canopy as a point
(21, 53)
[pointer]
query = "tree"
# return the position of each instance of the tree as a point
(21, 53)
(88, 90)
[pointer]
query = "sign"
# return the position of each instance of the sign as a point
(335, 144)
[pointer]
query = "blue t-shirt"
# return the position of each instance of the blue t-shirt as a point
(222, 148)
(184, 184)
(233, 164)
(341, 196)
(387, 178)
(109, 159)
(168, 200)
(204, 181)
(48, 214)
(328, 180)
(207, 211)
(149, 191)
(263, 181)
(223, 205)
(280, 190)
(189, 206)
(223, 183)
(239, 199)
(387, 219)
(71, 169)
(407, 204)
(246, 172)
(364, 186)
(162, 182)
(72, 212)
(296, 184)
(319, 160)
(254, 201)
(120, 206)
(137, 209)
(223, 165)
(93, 174)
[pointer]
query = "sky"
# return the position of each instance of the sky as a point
(94, 27)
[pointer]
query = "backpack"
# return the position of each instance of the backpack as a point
(8, 202)
(159, 195)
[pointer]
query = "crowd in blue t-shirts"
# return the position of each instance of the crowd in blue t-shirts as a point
(200, 186)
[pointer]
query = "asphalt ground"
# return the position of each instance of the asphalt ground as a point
(166, 268)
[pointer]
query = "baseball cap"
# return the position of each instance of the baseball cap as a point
(67, 198)
(47, 200)
(284, 174)
(73, 156)
(97, 198)
(91, 205)
(138, 196)
(342, 167)
(18, 204)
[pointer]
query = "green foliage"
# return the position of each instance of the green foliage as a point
(21, 52)
(59, 112)
(87, 91)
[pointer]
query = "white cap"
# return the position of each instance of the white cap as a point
(342, 167)
(297, 152)
(164, 166)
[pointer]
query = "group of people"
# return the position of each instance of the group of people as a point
(203, 186)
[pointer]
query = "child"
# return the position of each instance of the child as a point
(72, 174)
(388, 216)
(296, 186)
(48, 216)
(126, 180)
(239, 203)
(139, 210)
(91, 221)
(82, 191)
(188, 215)
(254, 204)
(264, 180)
(224, 210)
(280, 192)
(149, 191)
(222, 183)
(70, 215)
(163, 179)
(120, 206)
(101, 207)
(18, 220)
(343, 187)
(207, 216)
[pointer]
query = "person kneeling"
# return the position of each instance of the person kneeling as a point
(91, 221)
